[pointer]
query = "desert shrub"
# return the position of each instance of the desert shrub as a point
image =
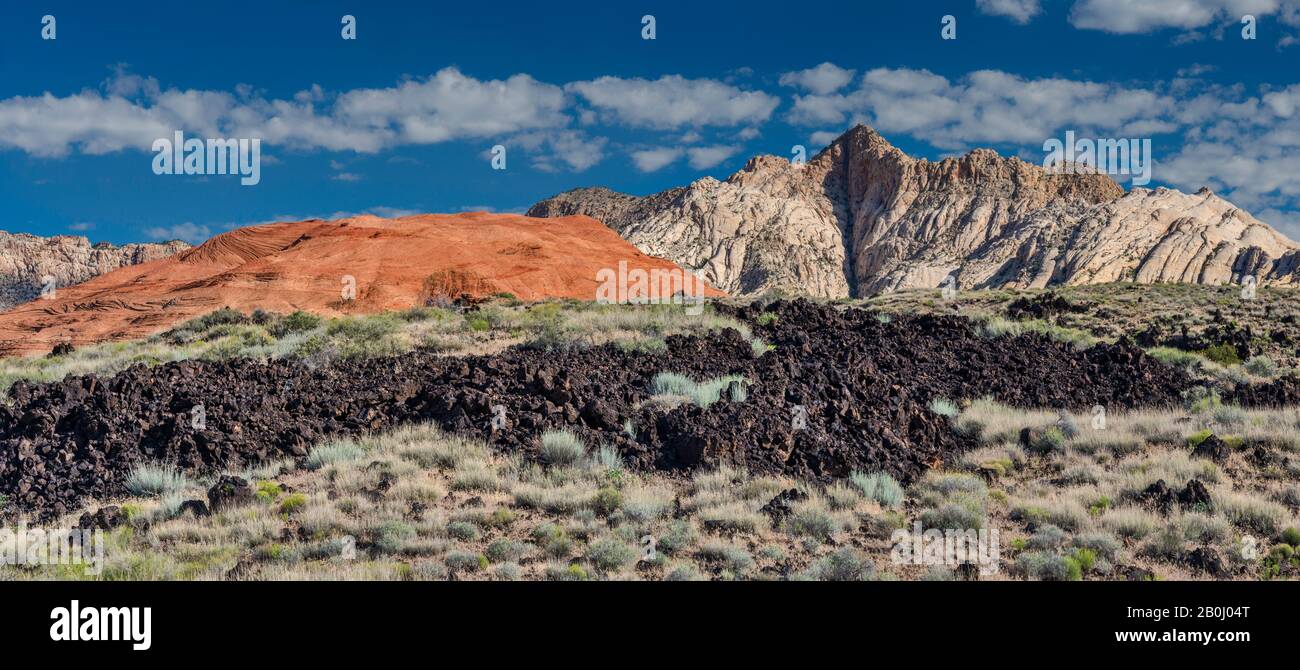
(561, 447)
(703, 393)
(944, 407)
(842, 496)
(1251, 512)
(1131, 523)
(609, 554)
(296, 322)
(607, 500)
(1195, 439)
(1100, 544)
(679, 535)
(1205, 529)
(1048, 537)
(1165, 545)
(268, 491)
(508, 572)
(1224, 354)
(148, 479)
(844, 565)
(811, 520)
(466, 561)
(1231, 415)
(879, 487)
(643, 503)
(1177, 358)
(608, 459)
(1261, 366)
(952, 516)
(732, 558)
(684, 572)
(391, 536)
(506, 550)
(1201, 399)
(1086, 558)
(463, 530)
(562, 572)
(333, 453)
(736, 517)
(1049, 567)
(292, 503)
(1066, 514)
(1047, 441)
(1291, 536)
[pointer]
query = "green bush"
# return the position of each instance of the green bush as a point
(466, 561)
(608, 554)
(292, 503)
(463, 530)
(1223, 354)
(391, 536)
(1261, 366)
(879, 487)
(155, 480)
(607, 500)
(297, 322)
(332, 453)
(505, 550)
(844, 565)
(944, 407)
(561, 447)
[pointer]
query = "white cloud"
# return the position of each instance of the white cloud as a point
(346, 176)
(133, 112)
(672, 102)
(822, 138)
(703, 158)
(1129, 17)
(190, 232)
(1288, 223)
(1020, 11)
(821, 80)
(450, 105)
(573, 148)
(82, 226)
(651, 160)
(984, 107)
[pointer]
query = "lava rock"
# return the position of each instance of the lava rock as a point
(229, 491)
(104, 518)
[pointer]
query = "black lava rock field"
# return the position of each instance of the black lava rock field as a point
(839, 390)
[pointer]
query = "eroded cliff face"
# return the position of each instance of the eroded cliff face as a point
(27, 260)
(862, 217)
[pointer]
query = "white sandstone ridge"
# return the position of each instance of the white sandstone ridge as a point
(28, 262)
(862, 218)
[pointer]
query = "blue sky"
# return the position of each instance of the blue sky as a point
(402, 118)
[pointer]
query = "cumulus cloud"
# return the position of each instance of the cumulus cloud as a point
(1128, 17)
(673, 102)
(821, 80)
(984, 107)
(651, 160)
(131, 112)
(703, 158)
(572, 148)
(1020, 11)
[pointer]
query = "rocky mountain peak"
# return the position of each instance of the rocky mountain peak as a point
(862, 217)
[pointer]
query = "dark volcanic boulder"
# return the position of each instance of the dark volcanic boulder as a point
(229, 491)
